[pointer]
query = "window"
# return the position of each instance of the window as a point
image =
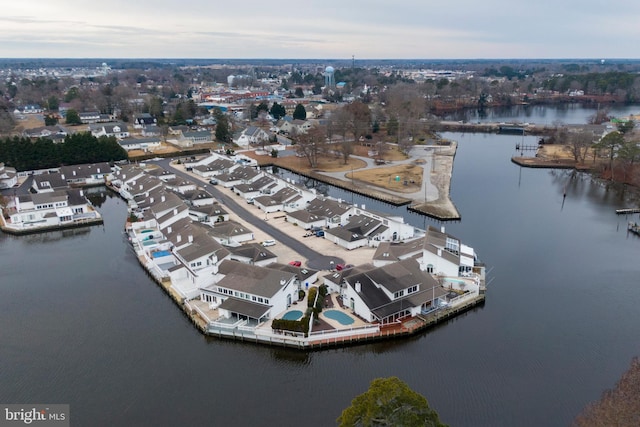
(398, 294)
(452, 245)
(430, 268)
(412, 289)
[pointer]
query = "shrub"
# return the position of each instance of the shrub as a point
(301, 295)
(312, 296)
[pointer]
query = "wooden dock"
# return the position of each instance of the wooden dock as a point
(627, 211)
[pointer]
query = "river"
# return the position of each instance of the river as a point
(81, 323)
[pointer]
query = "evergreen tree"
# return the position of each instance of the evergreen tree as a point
(300, 113)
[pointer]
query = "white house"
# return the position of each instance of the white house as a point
(249, 292)
(392, 292)
(444, 254)
(8, 176)
(252, 135)
(230, 233)
(254, 254)
(50, 210)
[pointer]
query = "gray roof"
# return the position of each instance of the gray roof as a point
(85, 171)
(202, 245)
(228, 229)
(252, 279)
(256, 185)
(54, 179)
(395, 277)
(388, 251)
(327, 208)
(244, 307)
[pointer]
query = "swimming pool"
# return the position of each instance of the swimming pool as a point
(341, 317)
(292, 315)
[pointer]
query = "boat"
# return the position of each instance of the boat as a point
(634, 228)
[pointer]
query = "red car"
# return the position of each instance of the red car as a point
(295, 263)
(341, 267)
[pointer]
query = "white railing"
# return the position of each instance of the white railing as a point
(361, 330)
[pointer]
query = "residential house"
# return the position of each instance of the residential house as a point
(238, 175)
(249, 292)
(50, 210)
(230, 233)
(118, 130)
(252, 135)
(89, 117)
(321, 212)
(87, 174)
(445, 255)
(391, 292)
(144, 144)
(48, 182)
(56, 133)
(390, 252)
(142, 120)
(255, 188)
(208, 214)
(357, 232)
(254, 254)
(8, 176)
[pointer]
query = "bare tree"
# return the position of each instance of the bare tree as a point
(579, 143)
(359, 120)
(311, 144)
(341, 120)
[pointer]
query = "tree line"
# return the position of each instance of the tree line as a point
(24, 154)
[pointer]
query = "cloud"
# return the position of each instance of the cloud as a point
(329, 29)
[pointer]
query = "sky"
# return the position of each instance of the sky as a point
(366, 29)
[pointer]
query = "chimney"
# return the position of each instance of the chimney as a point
(163, 199)
(169, 229)
(151, 200)
(140, 186)
(190, 238)
(282, 282)
(74, 172)
(439, 252)
(442, 229)
(363, 206)
(358, 287)
(62, 175)
(179, 238)
(175, 212)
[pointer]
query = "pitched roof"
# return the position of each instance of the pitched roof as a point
(252, 279)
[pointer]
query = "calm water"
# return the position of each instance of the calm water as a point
(81, 323)
(545, 114)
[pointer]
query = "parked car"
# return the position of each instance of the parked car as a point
(268, 243)
(213, 181)
(319, 233)
(341, 267)
(295, 263)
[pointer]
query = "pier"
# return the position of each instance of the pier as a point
(627, 211)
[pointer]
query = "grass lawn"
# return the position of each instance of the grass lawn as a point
(392, 177)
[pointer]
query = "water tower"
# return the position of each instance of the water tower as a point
(329, 79)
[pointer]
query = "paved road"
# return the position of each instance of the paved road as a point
(316, 260)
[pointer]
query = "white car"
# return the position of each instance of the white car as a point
(268, 243)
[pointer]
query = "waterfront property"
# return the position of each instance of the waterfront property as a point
(30, 213)
(240, 290)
